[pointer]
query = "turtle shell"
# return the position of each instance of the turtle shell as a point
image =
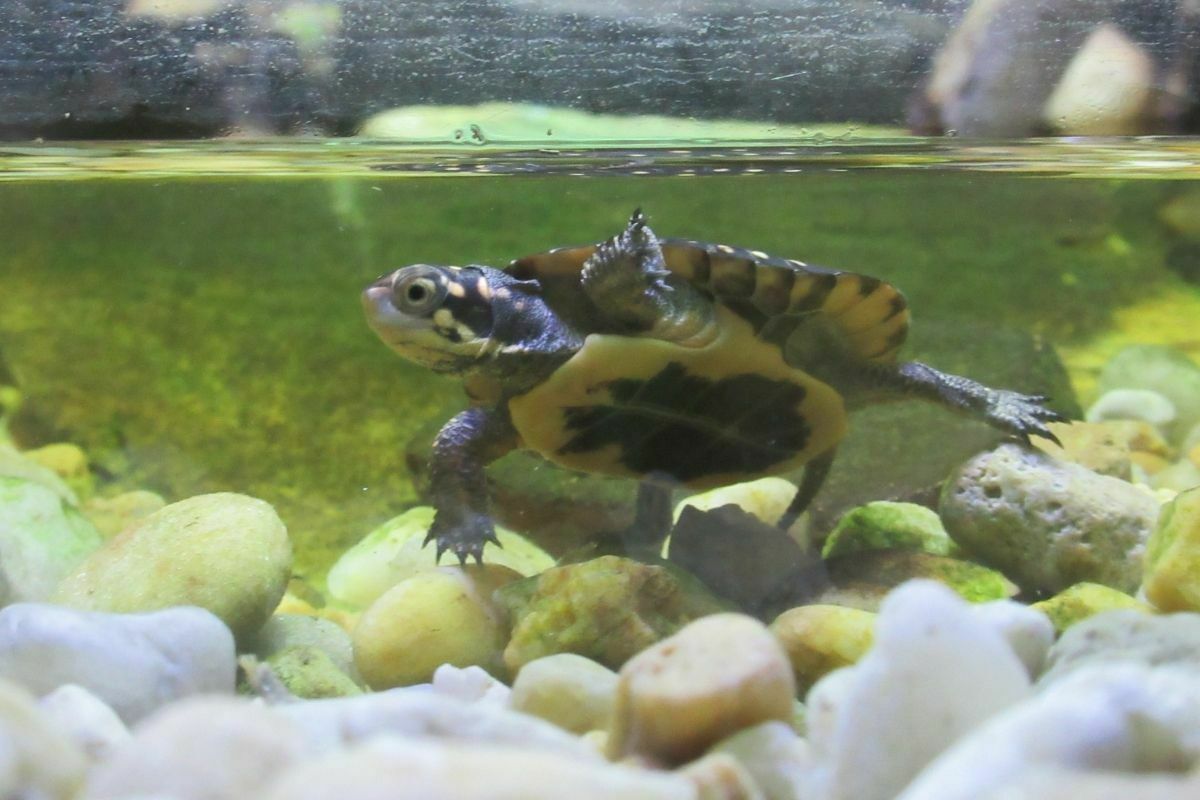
(702, 416)
(871, 314)
(706, 415)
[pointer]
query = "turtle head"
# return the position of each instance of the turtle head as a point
(438, 316)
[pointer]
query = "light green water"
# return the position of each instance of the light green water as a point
(189, 313)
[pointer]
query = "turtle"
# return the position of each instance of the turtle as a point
(671, 361)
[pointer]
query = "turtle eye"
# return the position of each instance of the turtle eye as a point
(418, 295)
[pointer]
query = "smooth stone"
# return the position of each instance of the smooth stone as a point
(1161, 369)
(1118, 718)
(871, 726)
(607, 609)
(1178, 477)
(133, 662)
(470, 685)
(1027, 631)
(1132, 404)
(445, 616)
(308, 672)
(89, 721)
(42, 539)
(38, 760)
(716, 676)
(821, 638)
(720, 776)
(1048, 524)
(209, 748)
(1077, 603)
(1059, 783)
(1110, 448)
(14, 464)
(67, 461)
(111, 515)
(765, 498)
(396, 551)
(885, 525)
(228, 553)
(575, 693)
(773, 754)
(336, 723)
(863, 579)
(1172, 566)
(754, 566)
(285, 630)
(419, 769)
(1126, 636)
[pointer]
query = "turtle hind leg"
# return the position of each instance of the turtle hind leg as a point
(815, 473)
(1022, 415)
(627, 279)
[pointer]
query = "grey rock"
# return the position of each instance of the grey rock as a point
(1125, 636)
(283, 631)
(42, 539)
(1048, 524)
(1160, 369)
(133, 662)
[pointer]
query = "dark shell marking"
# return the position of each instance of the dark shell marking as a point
(688, 426)
(872, 313)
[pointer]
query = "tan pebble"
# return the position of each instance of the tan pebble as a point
(821, 638)
(714, 677)
(1172, 576)
(445, 616)
(720, 776)
(573, 692)
(1194, 455)
(1150, 462)
(68, 461)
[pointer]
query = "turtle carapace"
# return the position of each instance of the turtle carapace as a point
(667, 360)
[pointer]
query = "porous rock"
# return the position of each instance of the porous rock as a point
(863, 579)
(1047, 524)
(211, 748)
(573, 692)
(421, 769)
(1117, 718)
(606, 609)
(133, 662)
(430, 619)
(1172, 568)
(37, 759)
(935, 672)
(714, 677)
(308, 672)
(225, 552)
(42, 538)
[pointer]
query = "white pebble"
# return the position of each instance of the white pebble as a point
(133, 662)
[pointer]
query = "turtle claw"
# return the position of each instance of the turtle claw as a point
(464, 536)
(1023, 415)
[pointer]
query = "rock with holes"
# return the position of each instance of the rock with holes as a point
(1048, 524)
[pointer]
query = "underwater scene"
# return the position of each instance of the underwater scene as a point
(854, 469)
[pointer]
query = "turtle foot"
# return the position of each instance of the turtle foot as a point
(464, 535)
(1023, 415)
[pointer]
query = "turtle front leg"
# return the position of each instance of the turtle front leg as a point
(463, 447)
(1022, 415)
(628, 281)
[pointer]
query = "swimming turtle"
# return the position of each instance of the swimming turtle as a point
(667, 360)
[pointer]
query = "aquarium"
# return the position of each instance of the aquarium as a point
(694, 439)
